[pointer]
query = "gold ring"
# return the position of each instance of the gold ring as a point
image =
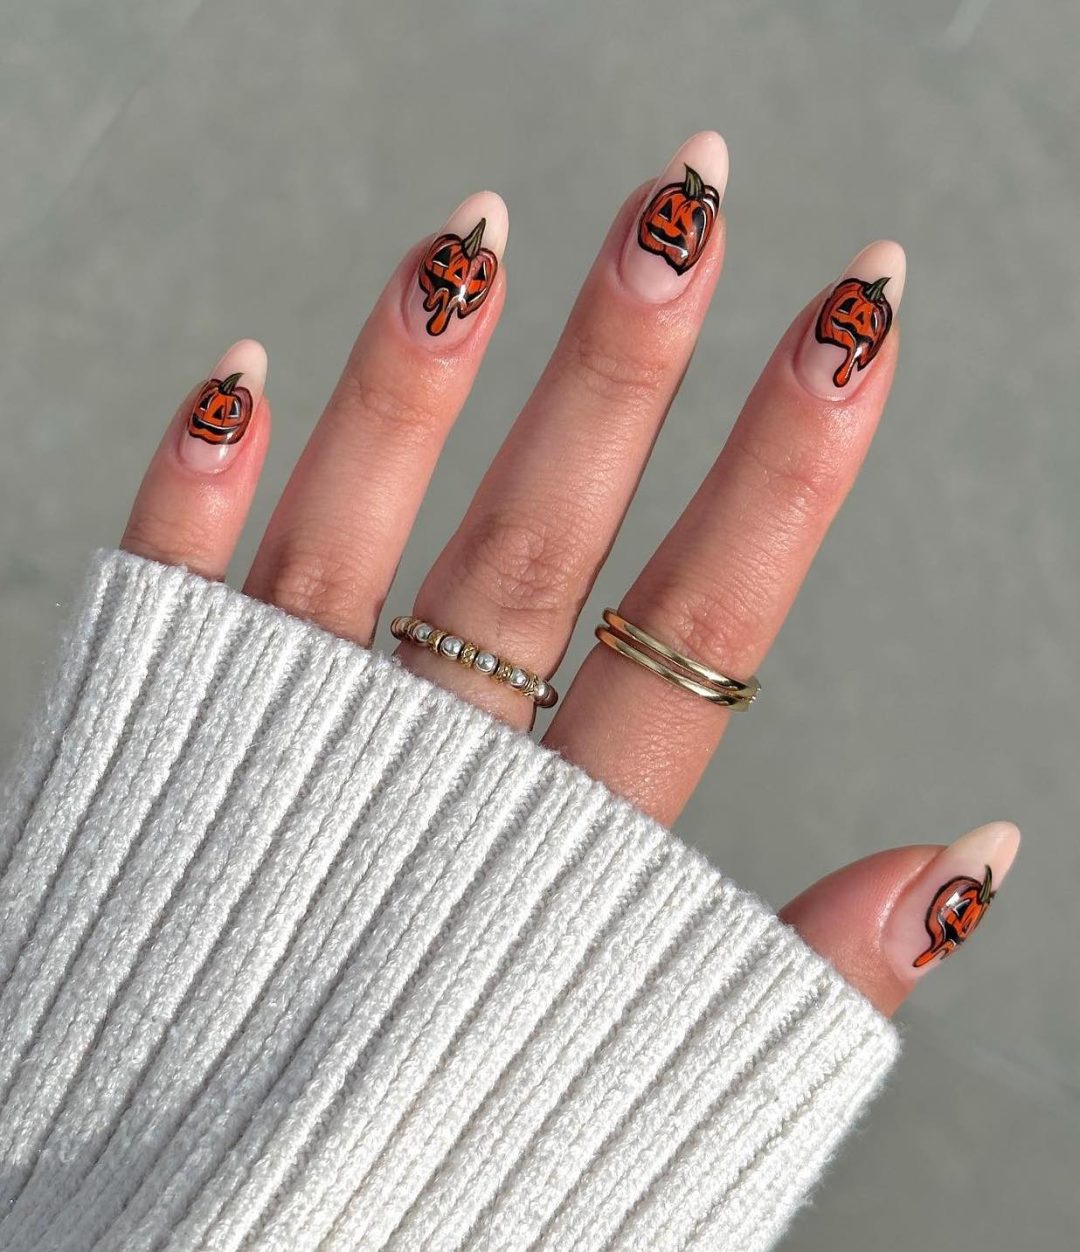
(454, 648)
(683, 671)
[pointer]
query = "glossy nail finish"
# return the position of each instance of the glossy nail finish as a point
(457, 271)
(673, 229)
(853, 322)
(222, 410)
(948, 900)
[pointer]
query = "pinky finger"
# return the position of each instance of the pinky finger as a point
(886, 921)
(194, 499)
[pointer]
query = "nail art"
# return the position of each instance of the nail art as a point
(856, 317)
(853, 322)
(221, 412)
(678, 221)
(672, 231)
(947, 900)
(954, 912)
(456, 275)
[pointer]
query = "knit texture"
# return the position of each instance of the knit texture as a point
(299, 951)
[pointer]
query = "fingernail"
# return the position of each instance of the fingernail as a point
(672, 231)
(218, 420)
(948, 899)
(457, 271)
(853, 322)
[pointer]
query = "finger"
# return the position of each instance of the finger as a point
(195, 496)
(336, 536)
(721, 583)
(886, 921)
(513, 577)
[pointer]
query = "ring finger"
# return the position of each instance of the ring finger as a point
(721, 583)
(515, 574)
(335, 538)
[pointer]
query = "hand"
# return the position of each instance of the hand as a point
(515, 574)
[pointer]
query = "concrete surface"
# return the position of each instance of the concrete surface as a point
(180, 174)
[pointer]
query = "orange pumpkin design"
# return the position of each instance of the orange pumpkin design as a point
(856, 317)
(221, 412)
(456, 275)
(678, 220)
(954, 913)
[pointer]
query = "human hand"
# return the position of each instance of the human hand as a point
(514, 576)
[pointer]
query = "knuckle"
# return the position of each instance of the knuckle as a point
(615, 375)
(309, 582)
(717, 623)
(522, 563)
(801, 481)
(168, 540)
(390, 408)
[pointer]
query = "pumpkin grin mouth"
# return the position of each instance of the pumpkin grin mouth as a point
(681, 249)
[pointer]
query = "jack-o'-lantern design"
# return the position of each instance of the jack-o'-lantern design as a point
(856, 317)
(678, 220)
(456, 275)
(221, 412)
(955, 911)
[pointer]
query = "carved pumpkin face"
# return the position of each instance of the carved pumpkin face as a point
(678, 220)
(222, 411)
(856, 317)
(954, 913)
(456, 275)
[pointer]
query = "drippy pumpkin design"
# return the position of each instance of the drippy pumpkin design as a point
(221, 412)
(678, 220)
(856, 317)
(954, 913)
(456, 275)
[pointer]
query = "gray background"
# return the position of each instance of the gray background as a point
(177, 175)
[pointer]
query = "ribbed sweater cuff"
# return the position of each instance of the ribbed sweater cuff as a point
(299, 951)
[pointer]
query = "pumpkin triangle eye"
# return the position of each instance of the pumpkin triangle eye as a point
(442, 257)
(666, 211)
(845, 306)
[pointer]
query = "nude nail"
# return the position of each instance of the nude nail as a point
(948, 899)
(852, 322)
(457, 271)
(671, 233)
(215, 425)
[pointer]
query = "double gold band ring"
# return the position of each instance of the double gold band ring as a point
(682, 671)
(472, 656)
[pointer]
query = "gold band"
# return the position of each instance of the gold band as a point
(472, 656)
(683, 671)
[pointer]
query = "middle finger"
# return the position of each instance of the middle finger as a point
(514, 576)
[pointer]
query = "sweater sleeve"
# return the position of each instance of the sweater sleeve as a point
(299, 951)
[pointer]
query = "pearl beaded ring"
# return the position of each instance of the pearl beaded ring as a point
(454, 648)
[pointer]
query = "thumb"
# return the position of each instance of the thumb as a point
(886, 921)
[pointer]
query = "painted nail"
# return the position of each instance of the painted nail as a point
(672, 230)
(218, 420)
(457, 271)
(853, 322)
(938, 911)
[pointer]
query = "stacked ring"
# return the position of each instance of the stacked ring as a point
(454, 648)
(682, 671)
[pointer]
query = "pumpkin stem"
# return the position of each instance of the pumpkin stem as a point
(693, 184)
(875, 290)
(228, 386)
(986, 893)
(470, 245)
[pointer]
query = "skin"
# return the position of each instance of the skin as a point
(518, 569)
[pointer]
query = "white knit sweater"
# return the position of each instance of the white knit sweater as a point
(299, 951)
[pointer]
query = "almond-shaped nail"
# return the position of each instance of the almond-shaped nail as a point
(672, 231)
(948, 899)
(218, 420)
(457, 270)
(853, 322)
